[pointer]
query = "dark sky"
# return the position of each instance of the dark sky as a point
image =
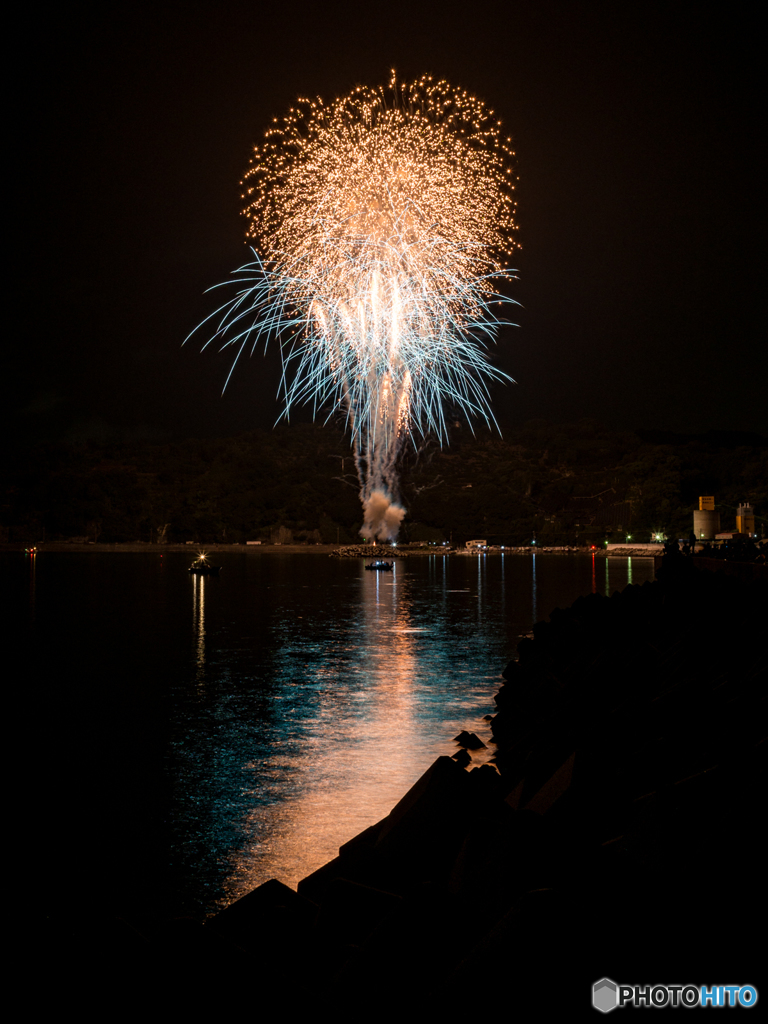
(636, 128)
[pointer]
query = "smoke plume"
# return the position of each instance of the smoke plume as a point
(382, 517)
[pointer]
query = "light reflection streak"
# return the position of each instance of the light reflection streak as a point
(32, 556)
(615, 564)
(198, 621)
(370, 753)
(367, 742)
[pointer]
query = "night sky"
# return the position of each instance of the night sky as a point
(637, 130)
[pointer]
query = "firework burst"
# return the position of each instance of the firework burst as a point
(382, 224)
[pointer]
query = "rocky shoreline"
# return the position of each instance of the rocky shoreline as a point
(619, 834)
(382, 551)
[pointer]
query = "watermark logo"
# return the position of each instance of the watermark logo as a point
(607, 995)
(604, 995)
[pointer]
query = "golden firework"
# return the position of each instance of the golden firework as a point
(382, 224)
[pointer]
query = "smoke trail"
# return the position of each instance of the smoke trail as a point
(382, 517)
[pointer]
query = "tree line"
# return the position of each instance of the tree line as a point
(562, 483)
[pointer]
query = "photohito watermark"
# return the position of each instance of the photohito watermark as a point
(607, 995)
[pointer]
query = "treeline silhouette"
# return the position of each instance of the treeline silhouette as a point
(563, 483)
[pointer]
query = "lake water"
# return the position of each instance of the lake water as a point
(190, 738)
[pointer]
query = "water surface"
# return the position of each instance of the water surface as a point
(195, 736)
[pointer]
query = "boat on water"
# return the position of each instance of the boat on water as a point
(381, 566)
(202, 567)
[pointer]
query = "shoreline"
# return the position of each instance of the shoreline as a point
(315, 549)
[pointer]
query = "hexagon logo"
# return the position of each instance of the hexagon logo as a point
(604, 995)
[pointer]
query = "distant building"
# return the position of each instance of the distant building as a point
(706, 522)
(745, 520)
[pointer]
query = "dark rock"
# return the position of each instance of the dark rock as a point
(350, 911)
(273, 909)
(423, 831)
(469, 740)
(315, 886)
(357, 849)
(511, 670)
